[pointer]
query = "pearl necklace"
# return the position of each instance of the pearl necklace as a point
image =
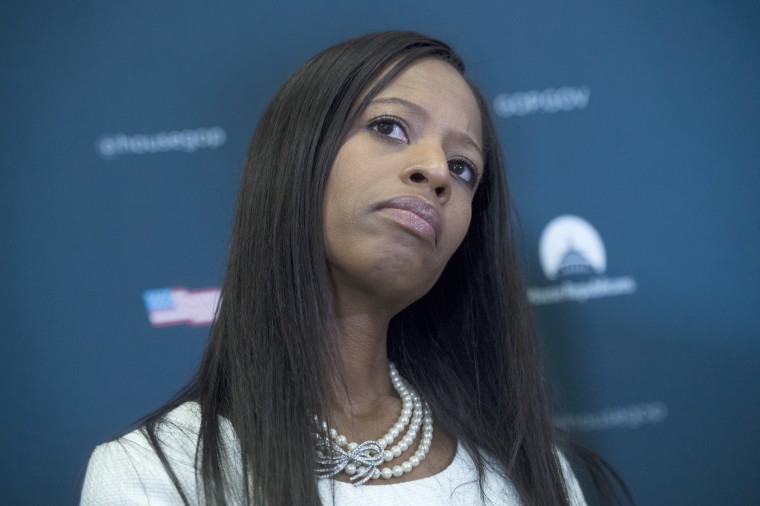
(335, 454)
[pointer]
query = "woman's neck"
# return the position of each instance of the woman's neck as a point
(362, 342)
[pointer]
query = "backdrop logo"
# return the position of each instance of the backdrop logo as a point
(180, 306)
(111, 146)
(573, 257)
(521, 103)
(620, 417)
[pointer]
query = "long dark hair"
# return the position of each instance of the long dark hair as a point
(468, 345)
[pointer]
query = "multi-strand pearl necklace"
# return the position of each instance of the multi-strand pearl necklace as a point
(335, 454)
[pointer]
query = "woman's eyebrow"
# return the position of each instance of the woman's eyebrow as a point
(416, 109)
(400, 101)
(466, 139)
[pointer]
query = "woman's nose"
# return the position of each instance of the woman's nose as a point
(428, 166)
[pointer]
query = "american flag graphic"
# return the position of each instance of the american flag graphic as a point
(180, 306)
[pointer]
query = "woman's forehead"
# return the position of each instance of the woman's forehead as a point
(432, 89)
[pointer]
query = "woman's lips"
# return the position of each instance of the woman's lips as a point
(414, 213)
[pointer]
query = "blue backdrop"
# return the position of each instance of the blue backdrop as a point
(630, 131)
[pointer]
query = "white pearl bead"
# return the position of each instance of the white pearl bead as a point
(388, 439)
(362, 470)
(397, 471)
(381, 443)
(333, 433)
(407, 467)
(414, 460)
(386, 473)
(393, 433)
(351, 469)
(387, 456)
(375, 474)
(352, 446)
(341, 440)
(406, 412)
(396, 451)
(404, 446)
(398, 426)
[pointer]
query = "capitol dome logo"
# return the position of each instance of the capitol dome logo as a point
(574, 258)
(570, 246)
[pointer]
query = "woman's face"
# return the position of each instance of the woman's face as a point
(398, 199)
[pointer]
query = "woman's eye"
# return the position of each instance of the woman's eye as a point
(463, 170)
(390, 128)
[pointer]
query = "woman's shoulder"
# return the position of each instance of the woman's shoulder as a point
(574, 491)
(176, 433)
(572, 487)
(129, 468)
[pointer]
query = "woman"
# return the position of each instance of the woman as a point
(373, 227)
